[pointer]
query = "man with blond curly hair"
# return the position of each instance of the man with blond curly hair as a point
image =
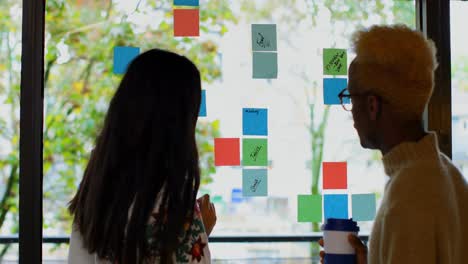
(423, 217)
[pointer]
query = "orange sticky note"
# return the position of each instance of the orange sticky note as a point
(335, 175)
(227, 151)
(186, 22)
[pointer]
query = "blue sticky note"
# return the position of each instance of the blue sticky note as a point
(331, 88)
(264, 37)
(122, 58)
(255, 121)
(364, 207)
(254, 182)
(203, 104)
(336, 206)
(186, 2)
(265, 65)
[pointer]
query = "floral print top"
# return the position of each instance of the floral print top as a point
(194, 240)
(193, 248)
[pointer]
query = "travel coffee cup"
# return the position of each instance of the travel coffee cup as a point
(335, 238)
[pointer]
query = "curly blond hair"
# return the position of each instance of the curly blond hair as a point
(397, 63)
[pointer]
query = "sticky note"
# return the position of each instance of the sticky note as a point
(309, 208)
(332, 88)
(264, 37)
(186, 22)
(265, 65)
(186, 2)
(363, 206)
(335, 175)
(254, 182)
(255, 121)
(254, 152)
(122, 58)
(335, 62)
(202, 111)
(227, 151)
(336, 206)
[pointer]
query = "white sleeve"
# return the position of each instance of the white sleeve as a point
(77, 254)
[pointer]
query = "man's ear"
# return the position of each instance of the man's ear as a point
(372, 107)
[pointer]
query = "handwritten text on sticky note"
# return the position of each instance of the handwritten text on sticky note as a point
(255, 121)
(254, 152)
(335, 62)
(254, 182)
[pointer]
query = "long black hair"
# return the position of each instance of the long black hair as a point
(145, 150)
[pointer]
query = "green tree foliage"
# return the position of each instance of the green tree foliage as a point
(80, 36)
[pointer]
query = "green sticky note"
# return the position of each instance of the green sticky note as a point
(264, 37)
(309, 208)
(254, 152)
(335, 62)
(265, 65)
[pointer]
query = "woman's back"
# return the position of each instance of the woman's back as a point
(145, 156)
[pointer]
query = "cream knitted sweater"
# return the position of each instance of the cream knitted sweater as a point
(423, 217)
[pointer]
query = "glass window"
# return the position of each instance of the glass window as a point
(459, 54)
(302, 131)
(10, 78)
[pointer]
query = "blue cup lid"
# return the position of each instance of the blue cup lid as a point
(333, 224)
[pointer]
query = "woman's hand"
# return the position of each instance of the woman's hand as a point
(356, 243)
(208, 212)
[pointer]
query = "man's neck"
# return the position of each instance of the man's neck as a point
(398, 136)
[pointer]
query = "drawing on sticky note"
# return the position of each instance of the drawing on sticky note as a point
(264, 37)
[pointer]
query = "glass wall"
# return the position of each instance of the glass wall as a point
(459, 53)
(10, 76)
(79, 82)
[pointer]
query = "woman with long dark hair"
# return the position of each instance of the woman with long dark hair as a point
(137, 200)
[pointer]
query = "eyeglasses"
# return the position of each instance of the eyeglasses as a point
(346, 102)
(345, 99)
